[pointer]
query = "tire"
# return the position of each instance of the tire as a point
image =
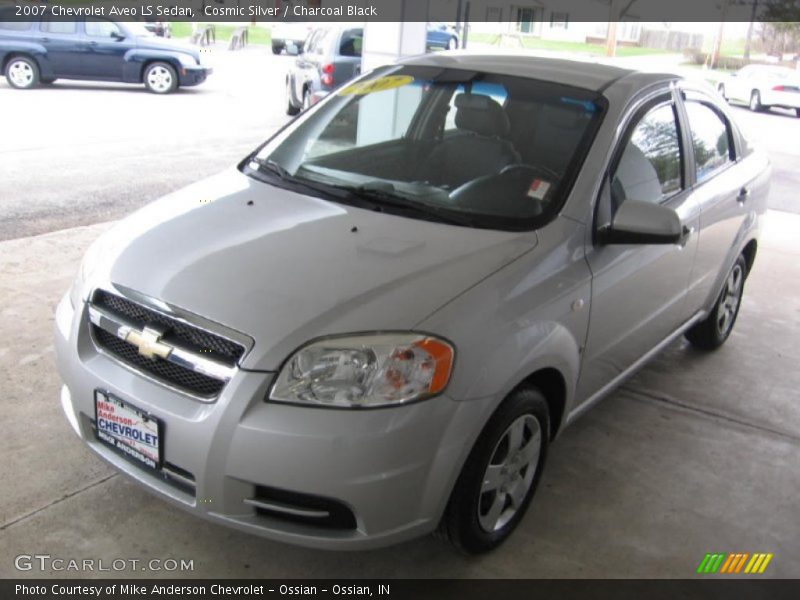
(306, 99)
(22, 73)
(797, 112)
(721, 90)
(291, 109)
(755, 101)
(452, 43)
(160, 78)
(277, 48)
(711, 333)
(495, 487)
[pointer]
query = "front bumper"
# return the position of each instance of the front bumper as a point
(194, 75)
(393, 469)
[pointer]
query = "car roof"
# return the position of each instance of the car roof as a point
(595, 76)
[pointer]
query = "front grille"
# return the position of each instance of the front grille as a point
(195, 383)
(214, 346)
(175, 332)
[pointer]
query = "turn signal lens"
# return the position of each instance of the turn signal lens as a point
(365, 371)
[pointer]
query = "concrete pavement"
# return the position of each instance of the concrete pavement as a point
(697, 453)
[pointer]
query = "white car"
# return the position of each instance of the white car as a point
(762, 87)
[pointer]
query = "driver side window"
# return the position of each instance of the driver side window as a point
(651, 165)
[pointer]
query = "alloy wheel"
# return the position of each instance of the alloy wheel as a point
(160, 79)
(20, 73)
(729, 302)
(510, 473)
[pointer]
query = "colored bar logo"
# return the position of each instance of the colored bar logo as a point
(734, 563)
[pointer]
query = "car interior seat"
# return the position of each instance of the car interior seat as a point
(481, 147)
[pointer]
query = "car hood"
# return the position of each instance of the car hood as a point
(284, 268)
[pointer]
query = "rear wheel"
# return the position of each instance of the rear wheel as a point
(160, 78)
(711, 333)
(500, 476)
(755, 101)
(452, 44)
(22, 72)
(277, 48)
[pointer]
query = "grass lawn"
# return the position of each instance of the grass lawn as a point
(559, 46)
(256, 35)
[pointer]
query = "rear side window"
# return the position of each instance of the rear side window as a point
(650, 167)
(711, 139)
(351, 42)
(59, 27)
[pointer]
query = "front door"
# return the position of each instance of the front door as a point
(639, 291)
(106, 46)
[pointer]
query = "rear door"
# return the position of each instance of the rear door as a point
(63, 45)
(723, 188)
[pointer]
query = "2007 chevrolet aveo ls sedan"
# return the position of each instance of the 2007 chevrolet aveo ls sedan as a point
(375, 325)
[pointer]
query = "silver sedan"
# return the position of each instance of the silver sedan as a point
(375, 325)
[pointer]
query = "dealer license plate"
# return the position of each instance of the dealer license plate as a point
(127, 429)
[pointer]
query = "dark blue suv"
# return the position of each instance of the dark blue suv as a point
(95, 49)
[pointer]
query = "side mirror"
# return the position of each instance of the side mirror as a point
(639, 222)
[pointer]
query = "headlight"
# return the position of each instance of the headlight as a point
(187, 60)
(365, 371)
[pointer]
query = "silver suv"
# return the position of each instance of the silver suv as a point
(374, 327)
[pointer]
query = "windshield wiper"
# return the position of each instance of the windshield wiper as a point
(383, 193)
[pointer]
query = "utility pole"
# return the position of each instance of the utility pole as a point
(611, 34)
(750, 32)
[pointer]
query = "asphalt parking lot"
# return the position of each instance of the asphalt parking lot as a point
(697, 453)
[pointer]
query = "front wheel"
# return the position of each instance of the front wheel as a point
(500, 476)
(22, 73)
(277, 48)
(711, 333)
(160, 78)
(755, 101)
(452, 44)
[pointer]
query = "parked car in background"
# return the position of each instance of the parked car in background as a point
(762, 87)
(332, 56)
(96, 49)
(375, 325)
(442, 35)
(291, 36)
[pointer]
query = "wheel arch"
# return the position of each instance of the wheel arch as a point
(553, 386)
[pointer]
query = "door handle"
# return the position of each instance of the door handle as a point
(686, 233)
(744, 193)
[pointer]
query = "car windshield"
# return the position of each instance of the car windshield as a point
(473, 148)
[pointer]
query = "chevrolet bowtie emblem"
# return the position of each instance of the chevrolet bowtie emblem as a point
(148, 342)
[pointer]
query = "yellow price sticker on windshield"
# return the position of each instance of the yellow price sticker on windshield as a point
(381, 84)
